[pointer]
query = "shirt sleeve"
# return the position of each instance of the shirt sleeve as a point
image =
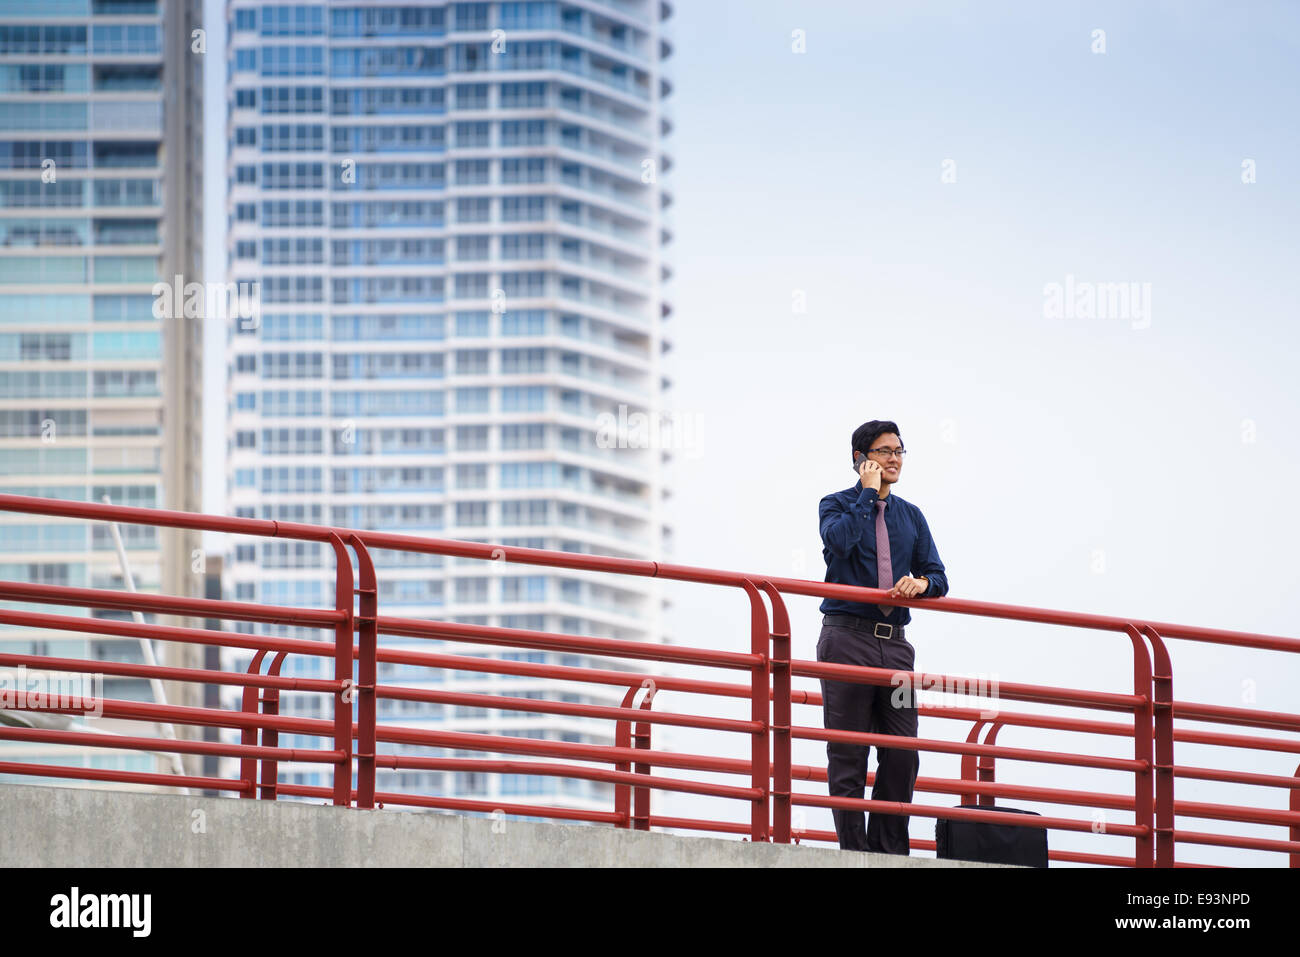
(926, 561)
(842, 528)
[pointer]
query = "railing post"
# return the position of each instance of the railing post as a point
(988, 766)
(367, 672)
(1162, 700)
(1143, 750)
(759, 696)
(1295, 828)
(343, 672)
(968, 771)
(641, 740)
(781, 716)
(250, 704)
(623, 739)
(270, 698)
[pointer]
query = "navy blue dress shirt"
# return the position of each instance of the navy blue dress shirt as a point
(848, 527)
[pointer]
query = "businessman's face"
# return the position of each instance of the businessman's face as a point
(890, 465)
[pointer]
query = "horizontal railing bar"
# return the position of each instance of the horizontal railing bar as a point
(170, 605)
(1253, 742)
(464, 804)
(1223, 636)
(1118, 802)
(487, 765)
(326, 649)
(1088, 726)
(166, 518)
(966, 747)
(202, 675)
(1236, 812)
(169, 745)
(1272, 720)
(201, 717)
(1043, 694)
(602, 754)
(584, 645)
(1234, 840)
(122, 777)
(954, 787)
(322, 728)
(623, 566)
(1026, 613)
(542, 706)
(529, 669)
(1025, 719)
(1237, 777)
(173, 633)
(605, 647)
(691, 824)
(964, 814)
(795, 586)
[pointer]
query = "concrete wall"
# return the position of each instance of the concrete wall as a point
(72, 827)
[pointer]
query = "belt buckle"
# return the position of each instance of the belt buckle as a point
(883, 624)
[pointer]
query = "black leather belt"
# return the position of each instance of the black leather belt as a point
(878, 629)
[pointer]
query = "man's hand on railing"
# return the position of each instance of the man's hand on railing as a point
(909, 587)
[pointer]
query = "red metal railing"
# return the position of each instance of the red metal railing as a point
(631, 762)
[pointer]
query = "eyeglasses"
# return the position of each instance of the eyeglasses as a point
(887, 453)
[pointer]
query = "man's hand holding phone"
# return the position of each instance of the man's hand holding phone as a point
(869, 472)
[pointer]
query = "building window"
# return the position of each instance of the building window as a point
(472, 324)
(471, 513)
(471, 438)
(471, 96)
(477, 210)
(472, 361)
(471, 476)
(473, 400)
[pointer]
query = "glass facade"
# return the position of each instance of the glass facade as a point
(459, 251)
(92, 394)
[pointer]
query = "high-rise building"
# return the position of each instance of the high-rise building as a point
(454, 213)
(100, 117)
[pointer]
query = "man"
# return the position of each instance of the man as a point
(875, 539)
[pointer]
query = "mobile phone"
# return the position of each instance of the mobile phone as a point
(857, 462)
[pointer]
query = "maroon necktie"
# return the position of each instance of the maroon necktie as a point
(884, 568)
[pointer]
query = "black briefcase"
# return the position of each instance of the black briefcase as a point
(991, 843)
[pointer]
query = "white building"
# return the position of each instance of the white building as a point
(455, 214)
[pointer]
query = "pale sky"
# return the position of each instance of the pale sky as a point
(1040, 450)
(1135, 466)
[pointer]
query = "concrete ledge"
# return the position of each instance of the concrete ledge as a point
(74, 827)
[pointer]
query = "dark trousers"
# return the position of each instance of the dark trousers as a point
(870, 708)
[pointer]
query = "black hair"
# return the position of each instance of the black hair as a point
(868, 432)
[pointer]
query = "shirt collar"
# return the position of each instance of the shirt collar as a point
(853, 491)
